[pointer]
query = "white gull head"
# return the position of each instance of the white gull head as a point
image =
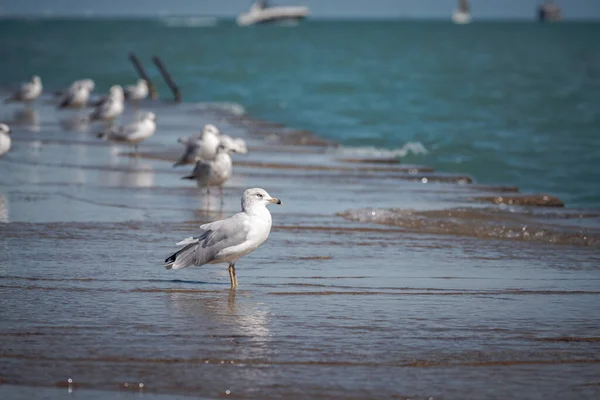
(256, 198)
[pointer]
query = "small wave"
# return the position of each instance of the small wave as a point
(233, 109)
(190, 22)
(476, 222)
(415, 148)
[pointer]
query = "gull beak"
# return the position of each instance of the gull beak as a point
(275, 200)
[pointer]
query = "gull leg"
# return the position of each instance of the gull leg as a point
(221, 194)
(232, 276)
(207, 200)
(235, 283)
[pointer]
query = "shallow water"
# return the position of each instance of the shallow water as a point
(329, 307)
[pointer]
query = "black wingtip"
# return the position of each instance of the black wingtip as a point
(171, 259)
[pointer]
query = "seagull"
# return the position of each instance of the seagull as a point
(137, 92)
(227, 240)
(203, 147)
(4, 139)
(115, 92)
(213, 173)
(111, 107)
(78, 94)
(133, 133)
(86, 82)
(28, 92)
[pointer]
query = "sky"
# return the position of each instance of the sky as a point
(572, 9)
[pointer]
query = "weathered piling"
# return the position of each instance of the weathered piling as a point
(167, 77)
(142, 72)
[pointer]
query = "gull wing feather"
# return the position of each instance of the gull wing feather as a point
(203, 249)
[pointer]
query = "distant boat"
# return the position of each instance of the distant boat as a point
(549, 12)
(261, 13)
(462, 15)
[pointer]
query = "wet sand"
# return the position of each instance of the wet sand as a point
(379, 280)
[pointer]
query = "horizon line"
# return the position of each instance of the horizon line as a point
(48, 16)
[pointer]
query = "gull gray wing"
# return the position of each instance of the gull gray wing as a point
(201, 172)
(189, 154)
(203, 249)
(102, 109)
(67, 99)
(124, 133)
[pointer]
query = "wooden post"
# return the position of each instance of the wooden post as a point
(142, 72)
(167, 77)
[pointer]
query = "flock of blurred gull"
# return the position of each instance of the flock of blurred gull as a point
(210, 150)
(223, 241)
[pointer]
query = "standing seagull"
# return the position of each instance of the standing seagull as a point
(133, 133)
(86, 82)
(137, 92)
(202, 147)
(213, 173)
(4, 139)
(115, 92)
(28, 92)
(77, 95)
(227, 240)
(111, 107)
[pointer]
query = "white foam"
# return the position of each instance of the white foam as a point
(225, 107)
(415, 148)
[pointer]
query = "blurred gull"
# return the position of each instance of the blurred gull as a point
(86, 82)
(111, 107)
(203, 147)
(133, 133)
(28, 92)
(137, 92)
(227, 240)
(78, 94)
(213, 173)
(4, 139)
(115, 92)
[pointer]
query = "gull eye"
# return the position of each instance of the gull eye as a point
(259, 195)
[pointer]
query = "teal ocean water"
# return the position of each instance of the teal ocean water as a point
(508, 103)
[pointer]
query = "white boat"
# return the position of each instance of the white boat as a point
(261, 13)
(462, 15)
(549, 12)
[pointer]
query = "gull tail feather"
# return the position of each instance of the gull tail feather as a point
(179, 162)
(187, 256)
(182, 258)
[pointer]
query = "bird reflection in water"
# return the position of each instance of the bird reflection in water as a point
(4, 209)
(27, 118)
(132, 174)
(208, 210)
(75, 122)
(235, 315)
